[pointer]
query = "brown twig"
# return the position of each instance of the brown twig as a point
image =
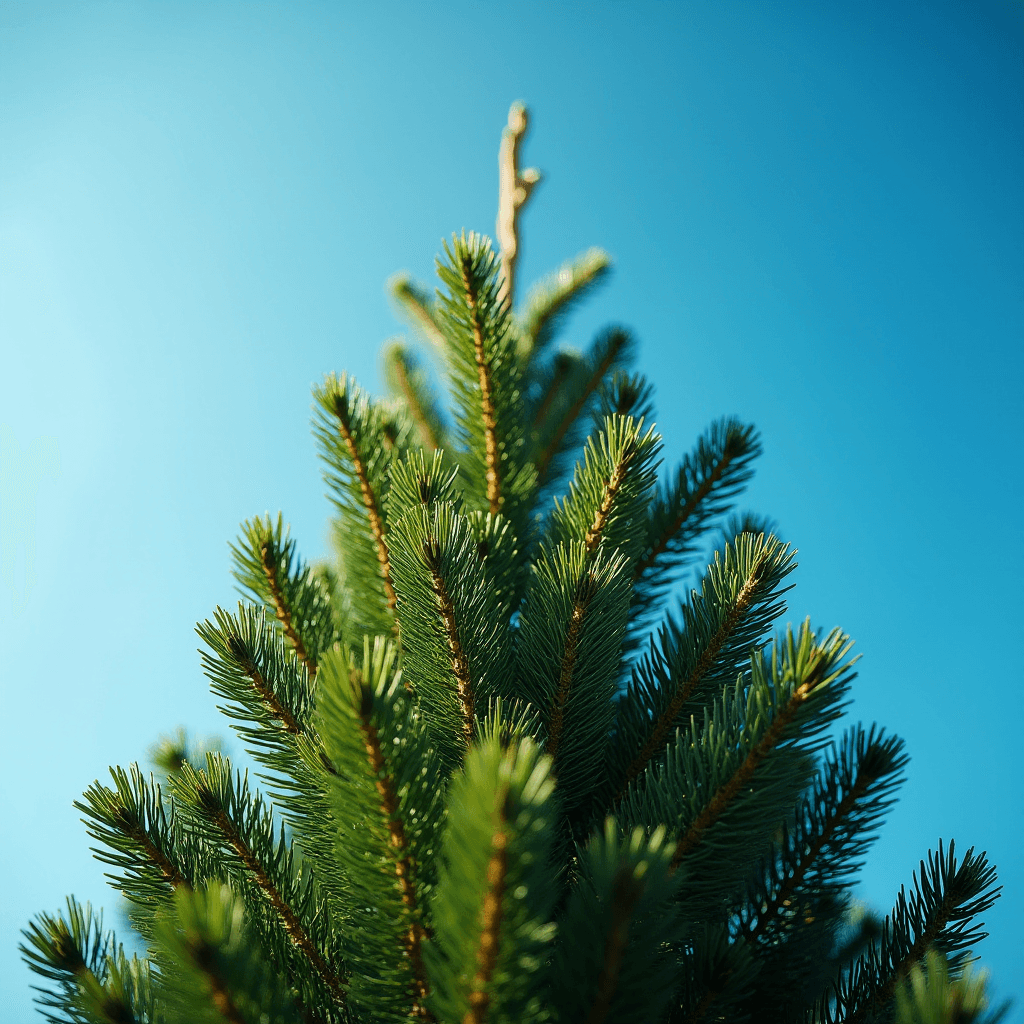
(292, 925)
(241, 654)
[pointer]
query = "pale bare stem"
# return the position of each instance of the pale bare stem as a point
(662, 726)
(514, 190)
(404, 864)
(490, 934)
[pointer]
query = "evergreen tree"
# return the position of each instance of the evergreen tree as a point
(500, 781)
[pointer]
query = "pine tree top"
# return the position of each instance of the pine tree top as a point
(503, 774)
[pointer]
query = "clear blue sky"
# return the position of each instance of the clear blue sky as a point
(817, 217)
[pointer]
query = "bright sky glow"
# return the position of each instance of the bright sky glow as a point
(817, 217)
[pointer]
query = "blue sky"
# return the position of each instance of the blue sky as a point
(817, 219)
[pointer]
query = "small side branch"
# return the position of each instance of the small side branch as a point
(404, 866)
(625, 898)
(663, 724)
(692, 504)
(292, 925)
(262, 687)
(615, 346)
(584, 592)
(281, 609)
(460, 663)
(491, 453)
(514, 189)
(370, 502)
(743, 775)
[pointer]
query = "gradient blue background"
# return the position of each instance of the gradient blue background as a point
(816, 216)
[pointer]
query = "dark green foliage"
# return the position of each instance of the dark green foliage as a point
(622, 918)
(489, 793)
(496, 892)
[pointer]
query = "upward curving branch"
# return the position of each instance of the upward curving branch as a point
(491, 449)
(370, 501)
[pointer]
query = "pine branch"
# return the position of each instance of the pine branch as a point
(551, 300)
(454, 627)
(484, 372)
(514, 189)
(739, 599)
(79, 956)
(415, 304)
(704, 486)
(486, 380)
(405, 379)
(613, 961)
(834, 826)
(931, 996)
(939, 914)
(354, 423)
(141, 835)
(625, 394)
(216, 968)
(495, 892)
(351, 432)
(388, 797)
(268, 569)
(220, 809)
(728, 782)
(609, 349)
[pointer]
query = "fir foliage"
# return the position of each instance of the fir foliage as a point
(484, 791)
